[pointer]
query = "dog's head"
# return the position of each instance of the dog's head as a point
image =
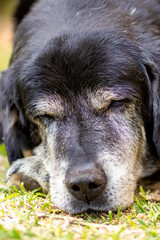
(94, 103)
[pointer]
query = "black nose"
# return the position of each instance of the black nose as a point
(86, 183)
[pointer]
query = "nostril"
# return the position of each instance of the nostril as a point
(75, 188)
(93, 185)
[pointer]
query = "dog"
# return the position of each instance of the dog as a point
(82, 93)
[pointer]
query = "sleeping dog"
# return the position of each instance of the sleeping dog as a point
(82, 93)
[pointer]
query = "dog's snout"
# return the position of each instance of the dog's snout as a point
(86, 183)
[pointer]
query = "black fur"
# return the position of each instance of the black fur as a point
(66, 48)
(22, 9)
(139, 41)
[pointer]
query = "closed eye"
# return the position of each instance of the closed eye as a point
(44, 118)
(118, 103)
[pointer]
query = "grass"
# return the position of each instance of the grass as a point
(31, 215)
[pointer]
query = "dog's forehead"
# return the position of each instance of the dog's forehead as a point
(66, 71)
(59, 99)
(108, 75)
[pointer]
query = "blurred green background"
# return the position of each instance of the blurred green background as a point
(6, 31)
(6, 38)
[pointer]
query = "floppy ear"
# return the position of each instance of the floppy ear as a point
(15, 127)
(1, 135)
(154, 77)
(156, 114)
(9, 118)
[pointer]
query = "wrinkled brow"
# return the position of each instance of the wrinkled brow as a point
(102, 98)
(48, 104)
(54, 105)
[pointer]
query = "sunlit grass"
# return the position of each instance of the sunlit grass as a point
(32, 215)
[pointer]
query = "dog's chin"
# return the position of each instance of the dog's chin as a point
(74, 206)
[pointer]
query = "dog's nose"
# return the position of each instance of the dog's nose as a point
(86, 183)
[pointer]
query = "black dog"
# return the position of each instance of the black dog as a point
(83, 85)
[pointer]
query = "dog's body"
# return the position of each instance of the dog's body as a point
(83, 84)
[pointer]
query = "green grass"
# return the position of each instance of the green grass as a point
(31, 215)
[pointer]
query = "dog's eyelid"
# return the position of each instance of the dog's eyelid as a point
(114, 104)
(47, 116)
(43, 117)
(119, 102)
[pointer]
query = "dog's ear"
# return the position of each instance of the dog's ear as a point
(156, 114)
(14, 129)
(22, 9)
(1, 135)
(8, 117)
(154, 77)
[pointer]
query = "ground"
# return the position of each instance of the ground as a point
(31, 215)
